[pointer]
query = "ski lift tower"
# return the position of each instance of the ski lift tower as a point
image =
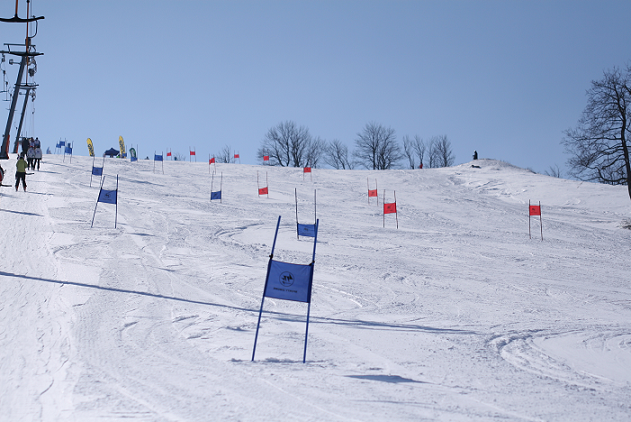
(27, 61)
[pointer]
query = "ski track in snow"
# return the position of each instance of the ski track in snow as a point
(456, 316)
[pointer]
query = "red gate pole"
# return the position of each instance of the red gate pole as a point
(396, 210)
(540, 221)
(529, 235)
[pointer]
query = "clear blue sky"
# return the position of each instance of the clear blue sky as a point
(505, 78)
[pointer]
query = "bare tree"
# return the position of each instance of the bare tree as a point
(377, 147)
(224, 156)
(414, 149)
(440, 153)
(288, 145)
(554, 171)
(336, 155)
(598, 145)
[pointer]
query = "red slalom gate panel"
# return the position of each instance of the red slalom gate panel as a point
(266, 158)
(263, 191)
(535, 209)
(307, 170)
(390, 208)
(212, 160)
(372, 193)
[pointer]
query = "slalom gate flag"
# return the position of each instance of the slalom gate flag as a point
(236, 156)
(216, 194)
(212, 160)
(62, 144)
(132, 155)
(192, 152)
(97, 171)
(68, 150)
(307, 230)
(90, 147)
(263, 191)
(390, 208)
(535, 210)
(266, 158)
(372, 193)
(58, 145)
(108, 196)
(288, 281)
(307, 170)
(157, 158)
(168, 153)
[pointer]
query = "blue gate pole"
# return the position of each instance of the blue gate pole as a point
(315, 240)
(269, 265)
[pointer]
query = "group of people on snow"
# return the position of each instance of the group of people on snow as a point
(33, 158)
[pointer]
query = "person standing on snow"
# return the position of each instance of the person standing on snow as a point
(38, 155)
(20, 173)
(30, 158)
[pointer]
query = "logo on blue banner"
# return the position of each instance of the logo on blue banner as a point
(107, 196)
(306, 230)
(289, 281)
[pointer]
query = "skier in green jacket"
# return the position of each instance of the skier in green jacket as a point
(20, 173)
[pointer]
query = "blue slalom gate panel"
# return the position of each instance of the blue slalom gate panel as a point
(97, 171)
(107, 196)
(68, 150)
(308, 230)
(289, 281)
(215, 195)
(157, 157)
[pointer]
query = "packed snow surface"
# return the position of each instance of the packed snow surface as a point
(457, 315)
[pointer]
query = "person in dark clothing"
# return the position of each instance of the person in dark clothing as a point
(475, 155)
(20, 173)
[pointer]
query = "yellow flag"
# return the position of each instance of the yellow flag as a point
(121, 143)
(90, 147)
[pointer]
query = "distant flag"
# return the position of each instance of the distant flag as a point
(68, 151)
(169, 154)
(191, 154)
(307, 170)
(107, 197)
(390, 208)
(132, 155)
(159, 158)
(97, 171)
(216, 194)
(264, 190)
(372, 193)
(534, 210)
(307, 230)
(287, 281)
(237, 157)
(266, 158)
(211, 161)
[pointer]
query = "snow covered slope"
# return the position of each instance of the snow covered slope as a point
(455, 316)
